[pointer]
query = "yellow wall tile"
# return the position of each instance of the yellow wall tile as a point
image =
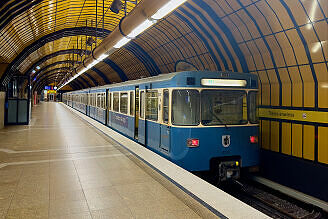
(322, 75)
(275, 136)
(297, 140)
(274, 88)
(323, 144)
(286, 87)
(298, 46)
(297, 86)
(308, 85)
(286, 138)
(308, 144)
(265, 134)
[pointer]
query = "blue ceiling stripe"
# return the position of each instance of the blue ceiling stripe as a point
(116, 68)
(181, 17)
(101, 74)
(76, 85)
(210, 38)
(192, 46)
(14, 11)
(95, 82)
(229, 35)
(282, 53)
(307, 51)
(39, 76)
(143, 56)
(268, 48)
(214, 16)
(85, 81)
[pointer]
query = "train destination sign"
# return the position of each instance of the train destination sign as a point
(223, 82)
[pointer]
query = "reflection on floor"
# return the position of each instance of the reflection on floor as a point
(60, 167)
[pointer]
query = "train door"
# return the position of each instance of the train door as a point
(141, 119)
(165, 128)
(136, 112)
(88, 104)
(109, 108)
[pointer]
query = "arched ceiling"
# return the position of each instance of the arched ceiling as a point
(31, 30)
(284, 42)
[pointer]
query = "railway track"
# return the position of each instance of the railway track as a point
(269, 201)
(272, 204)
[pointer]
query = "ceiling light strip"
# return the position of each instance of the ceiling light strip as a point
(160, 13)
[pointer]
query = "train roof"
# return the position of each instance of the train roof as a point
(158, 78)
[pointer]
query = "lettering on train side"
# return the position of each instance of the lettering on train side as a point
(120, 120)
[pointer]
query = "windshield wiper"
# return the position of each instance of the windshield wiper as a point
(225, 125)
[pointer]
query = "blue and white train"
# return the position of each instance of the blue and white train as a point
(200, 120)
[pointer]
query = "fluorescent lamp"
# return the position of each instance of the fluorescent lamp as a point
(121, 43)
(95, 62)
(141, 28)
(102, 57)
(33, 71)
(167, 8)
(223, 82)
(38, 67)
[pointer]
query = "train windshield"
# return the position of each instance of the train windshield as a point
(223, 107)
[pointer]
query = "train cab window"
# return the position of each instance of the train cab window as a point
(142, 104)
(124, 103)
(252, 107)
(152, 105)
(166, 106)
(221, 107)
(131, 103)
(116, 102)
(185, 107)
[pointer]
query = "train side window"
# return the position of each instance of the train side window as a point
(166, 106)
(142, 102)
(152, 105)
(124, 103)
(109, 101)
(104, 100)
(116, 102)
(131, 103)
(185, 107)
(98, 100)
(101, 100)
(252, 107)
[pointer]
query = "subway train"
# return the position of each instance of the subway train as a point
(199, 120)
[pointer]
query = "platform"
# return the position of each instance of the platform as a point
(62, 167)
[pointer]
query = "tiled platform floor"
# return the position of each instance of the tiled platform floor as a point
(60, 167)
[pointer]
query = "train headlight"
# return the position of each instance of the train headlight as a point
(254, 139)
(192, 142)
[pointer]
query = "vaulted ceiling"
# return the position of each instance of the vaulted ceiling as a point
(40, 33)
(284, 42)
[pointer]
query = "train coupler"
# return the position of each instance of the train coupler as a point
(229, 170)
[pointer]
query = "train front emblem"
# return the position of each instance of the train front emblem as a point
(226, 140)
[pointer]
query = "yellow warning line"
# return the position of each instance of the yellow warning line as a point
(297, 115)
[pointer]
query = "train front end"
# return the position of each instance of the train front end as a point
(215, 126)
